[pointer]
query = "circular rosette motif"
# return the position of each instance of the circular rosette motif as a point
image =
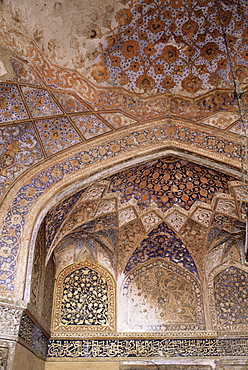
(168, 83)
(171, 46)
(170, 54)
(99, 72)
(145, 83)
(130, 48)
(210, 51)
(190, 28)
(192, 83)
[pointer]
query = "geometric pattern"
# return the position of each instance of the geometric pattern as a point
(69, 103)
(40, 102)
(147, 48)
(57, 134)
(19, 149)
(57, 215)
(118, 120)
(169, 182)
(170, 46)
(24, 73)
(11, 105)
(90, 125)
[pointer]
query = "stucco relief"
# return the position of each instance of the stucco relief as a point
(176, 220)
(227, 206)
(9, 321)
(150, 220)
(203, 216)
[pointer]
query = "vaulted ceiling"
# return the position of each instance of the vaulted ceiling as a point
(72, 71)
(146, 47)
(84, 83)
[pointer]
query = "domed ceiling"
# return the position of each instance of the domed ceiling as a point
(148, 47)
(75, 71)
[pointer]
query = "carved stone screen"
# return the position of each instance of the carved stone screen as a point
(84, 300)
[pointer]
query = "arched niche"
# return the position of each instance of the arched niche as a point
(61, 189)
(84, 300)
(228, 295)
(161, 296)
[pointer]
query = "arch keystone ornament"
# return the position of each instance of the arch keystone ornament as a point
(84, 300)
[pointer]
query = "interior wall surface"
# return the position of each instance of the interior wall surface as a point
(123, 145)
(26, 360)
(106, 365)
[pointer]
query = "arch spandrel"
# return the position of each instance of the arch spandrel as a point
(81, 101)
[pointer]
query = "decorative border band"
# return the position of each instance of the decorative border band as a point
(32, 336)
(133, 348)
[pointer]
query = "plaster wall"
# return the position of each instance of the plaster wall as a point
(177, 365)
(26, 360)
(108, 365)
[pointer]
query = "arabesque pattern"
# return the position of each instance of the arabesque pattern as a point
(161, 296)
(231, 295)
(84, 300)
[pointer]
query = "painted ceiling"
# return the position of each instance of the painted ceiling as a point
(168, 208)
(148, 47)
(86, 82)
(40, 120)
